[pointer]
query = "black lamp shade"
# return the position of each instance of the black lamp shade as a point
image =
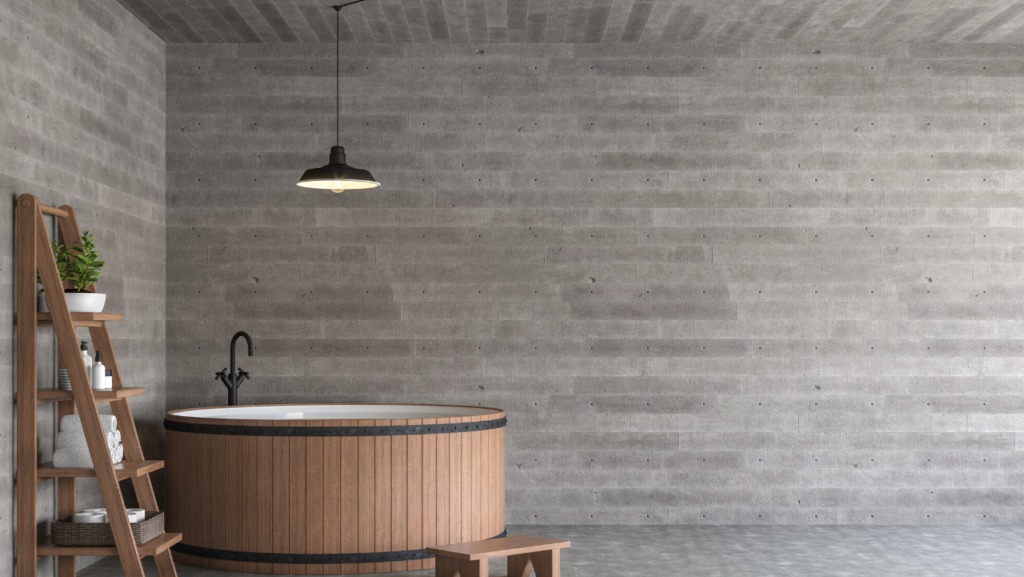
(337, 176)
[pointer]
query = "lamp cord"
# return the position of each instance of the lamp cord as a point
(337, 77)
(337, 69)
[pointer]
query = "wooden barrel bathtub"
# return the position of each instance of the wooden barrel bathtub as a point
(332, 489)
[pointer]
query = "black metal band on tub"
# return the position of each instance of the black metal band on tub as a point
(307, 558)
(261, 431)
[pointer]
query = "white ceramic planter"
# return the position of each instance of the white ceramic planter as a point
(79, 302)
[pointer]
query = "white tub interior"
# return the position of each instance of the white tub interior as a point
(324, 412)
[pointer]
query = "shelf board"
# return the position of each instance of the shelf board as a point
(153, 547)
(81, 319)
(123, 470)
(55, 395)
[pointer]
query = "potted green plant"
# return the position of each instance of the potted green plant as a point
(81, 265)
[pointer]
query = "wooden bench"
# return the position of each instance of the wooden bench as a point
(525, 553)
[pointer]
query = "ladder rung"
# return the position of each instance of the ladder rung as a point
(81, 319)
(123, 470)
(47, 209)
(55, 395)
(153, 547)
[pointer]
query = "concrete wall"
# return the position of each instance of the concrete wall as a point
(82, 123)
(750, 283)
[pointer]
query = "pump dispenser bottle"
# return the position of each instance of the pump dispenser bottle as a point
(99, 373)
(88, 360)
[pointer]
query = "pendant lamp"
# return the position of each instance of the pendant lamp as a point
(337, 176)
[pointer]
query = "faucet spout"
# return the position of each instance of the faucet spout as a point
(234, 339)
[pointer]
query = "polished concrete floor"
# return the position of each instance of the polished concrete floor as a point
(762, 551)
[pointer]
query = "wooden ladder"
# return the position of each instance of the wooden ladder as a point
(34, 253)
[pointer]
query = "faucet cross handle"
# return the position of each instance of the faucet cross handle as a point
(242, 374)
(221, 375)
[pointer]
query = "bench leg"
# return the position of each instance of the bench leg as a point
(445, 567)
(546, 563)
(520, 565)
(543, 563)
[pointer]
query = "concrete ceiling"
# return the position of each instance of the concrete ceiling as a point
(272, 21)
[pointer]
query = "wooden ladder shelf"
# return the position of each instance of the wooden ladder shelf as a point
(35, 254)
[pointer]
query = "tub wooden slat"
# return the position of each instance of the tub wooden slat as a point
(196, 516)
(250, 498)
(496, 453)
(209, 497)
(333, 514)
(485, 484)
(455, 478)
(414, 495)
(315, 502)
(466, 474)
(399, 513)
(170, 452)
(444, 487)
(493, 472)
(382, 518)
(281, 519)
(220, 500)
(200, 522)
(297, 496)
(265, 496)
(350, 501)
(197, 503)
(500, 464)
(172, 504)
(430, 458)
(367, 497)
(479, 508)
(176, 451)
(234, 526)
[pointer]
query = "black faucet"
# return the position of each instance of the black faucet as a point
(231, 380)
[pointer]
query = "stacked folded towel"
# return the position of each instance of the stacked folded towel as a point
(72, 423)
(73, 451)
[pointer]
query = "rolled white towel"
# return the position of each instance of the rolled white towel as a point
(117, 436)
(118, 456)
(72, 423)
(72, 440)
(76, 459)
(140, 514)
(89, 517)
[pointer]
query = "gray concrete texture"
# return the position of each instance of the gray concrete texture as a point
(734, 551)
(773, 283)
(82, 111)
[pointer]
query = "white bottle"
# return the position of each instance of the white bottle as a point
(99, 373)
(108, 380)
(88, 360)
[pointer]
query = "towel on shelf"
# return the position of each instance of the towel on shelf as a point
(72, 448)
(73, 458)
(72, 423)
(76, 440)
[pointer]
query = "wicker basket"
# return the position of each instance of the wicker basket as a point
(65, 533)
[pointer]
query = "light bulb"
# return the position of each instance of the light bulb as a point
(337, 187)
(337, 190)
